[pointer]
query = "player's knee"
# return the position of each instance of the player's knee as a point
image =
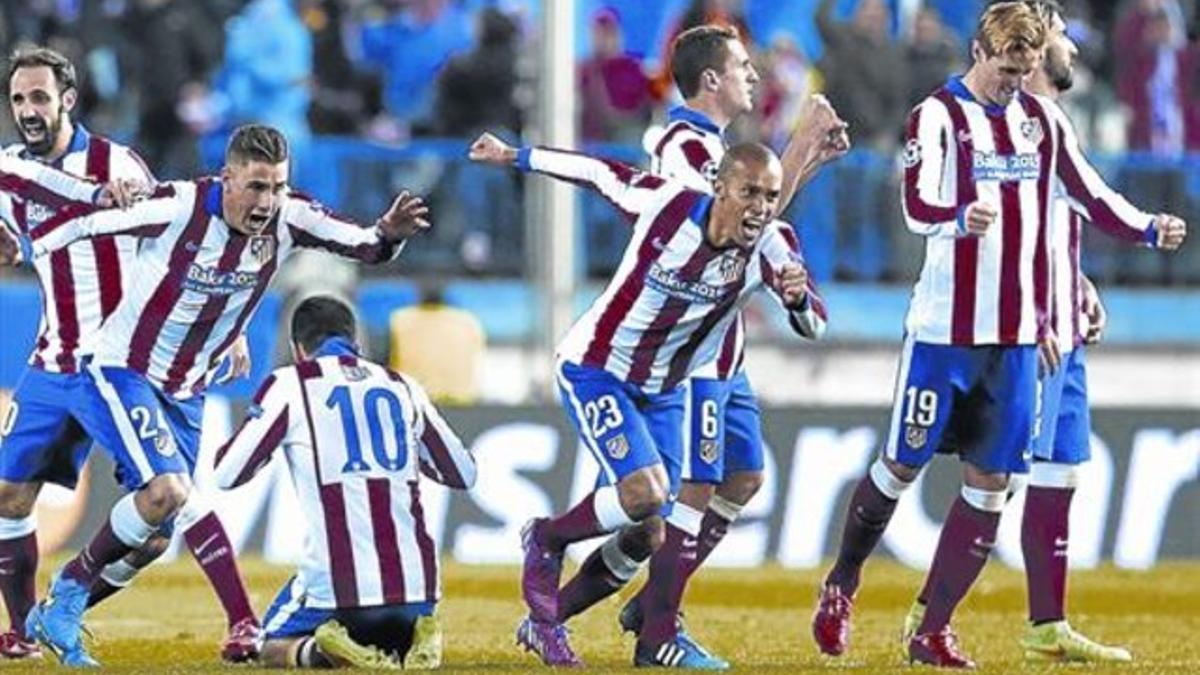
(981, 479)
(162, 497)
(644, 492)
(741, 486)
(902, 472)
(696, 495)
(17, 499)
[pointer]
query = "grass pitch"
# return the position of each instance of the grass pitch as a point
(759, 620)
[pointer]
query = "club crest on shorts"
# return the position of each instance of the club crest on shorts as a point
(262, 248)
(164, 443)
(617, 446)
(709, 450)
(915, 437)
(1031, 129)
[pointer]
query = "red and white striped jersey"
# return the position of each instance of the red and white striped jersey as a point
(995, 288)
(1069, 217)
(200, 280)
(354, 435)
(673, 296)
(82, 283)
(690, 151)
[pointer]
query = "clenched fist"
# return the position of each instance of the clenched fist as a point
(792, 284)
(491, 150)
(979, 217)
(1171, 231)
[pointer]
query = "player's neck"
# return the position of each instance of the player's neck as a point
(711, 110)
(1039, 85)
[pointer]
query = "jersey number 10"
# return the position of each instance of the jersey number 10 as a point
(371, 402)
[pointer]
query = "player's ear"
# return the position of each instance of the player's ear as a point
(978, 53)
(710, 80)
(69, 98)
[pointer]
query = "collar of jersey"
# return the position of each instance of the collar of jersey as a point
(693, 117)
(212, 201)
(956, 86)
(80, 137)
(336, 345)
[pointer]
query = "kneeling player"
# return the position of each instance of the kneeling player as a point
(355, 435)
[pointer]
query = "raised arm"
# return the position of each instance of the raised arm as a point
(785, 275)
(629, 189)
(1104, 207)
(312, 225)
(820, 138)
(267, 424)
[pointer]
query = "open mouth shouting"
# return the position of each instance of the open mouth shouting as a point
(34, 130)
(752, 226)
(257, 222)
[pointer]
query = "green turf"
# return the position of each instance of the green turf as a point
(170, 622)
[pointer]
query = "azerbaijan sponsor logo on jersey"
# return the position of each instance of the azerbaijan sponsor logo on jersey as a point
(667, 281)
(211, 281)
(993, 166)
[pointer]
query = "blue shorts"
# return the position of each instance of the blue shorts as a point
(1064, 429)
(146, 432)
(41, 438)
(625, 428)
(388, 627)
(977, 402)
(722, 429)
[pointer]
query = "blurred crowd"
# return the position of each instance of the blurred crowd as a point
(173, 76)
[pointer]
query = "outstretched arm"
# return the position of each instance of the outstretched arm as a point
(147, 217)
(312, 225)
(629, 189)
(1104, 207)
(820, 138)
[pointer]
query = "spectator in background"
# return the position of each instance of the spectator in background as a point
(268, 65)
(409, 46)
(476, 90)
(614, 92)
(788, 80)
(866, 81)
(343, 99)
(439, 345)
(174, 51)
(1150, 39)
(1150, 67)
(932, 56)
(865, 73)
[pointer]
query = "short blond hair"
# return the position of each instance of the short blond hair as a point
(1012, 28)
